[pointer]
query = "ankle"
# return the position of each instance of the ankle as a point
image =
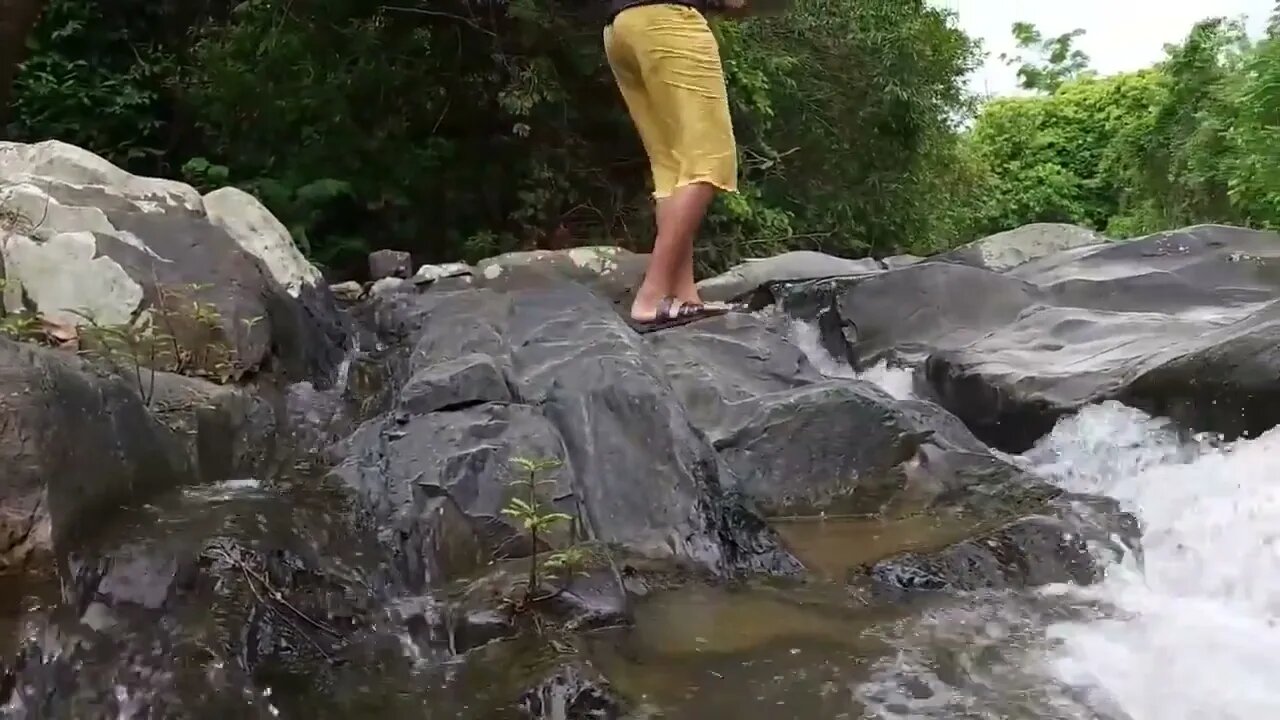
(648, 295)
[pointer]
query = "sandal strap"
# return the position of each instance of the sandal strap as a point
(689, 309)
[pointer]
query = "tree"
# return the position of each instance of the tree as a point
(458, 129)
(1057, 58)
(1071, 156)
(17, 18)
(1192, 139)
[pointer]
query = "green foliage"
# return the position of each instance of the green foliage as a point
(1254, 182)
(178, 334)
(98, 80)
(532, 515)
(846, 113)
(459, 129)
(1190, 140)
(1058, 60)
(21, 326)
(1062, 157)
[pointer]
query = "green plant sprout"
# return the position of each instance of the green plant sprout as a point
(529, 511)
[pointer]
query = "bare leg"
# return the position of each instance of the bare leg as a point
(670, 269)
(686, 290)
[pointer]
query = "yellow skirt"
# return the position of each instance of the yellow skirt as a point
(667, 64)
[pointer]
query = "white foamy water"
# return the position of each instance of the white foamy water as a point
(896, 381)
(1195, 631)
(1192, 632)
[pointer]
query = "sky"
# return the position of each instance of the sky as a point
(1120, 35)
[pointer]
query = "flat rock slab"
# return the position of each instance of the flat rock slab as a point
(611, 272)
(1066, 541)
(1008, 250)
(1010, 353)
(745, 278)
(796, 441)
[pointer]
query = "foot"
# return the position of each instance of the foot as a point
(670, 313)
(646, 312)
(664, 309)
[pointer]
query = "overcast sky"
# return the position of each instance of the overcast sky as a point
(1119, 35)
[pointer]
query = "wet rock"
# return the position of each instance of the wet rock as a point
(390, 264)
(906, 314)
(231, 597)
(1069, 540)
(1114, 315)
(611, 272)
(481, 627)
(588, 600)
(496, 607)
(589, 596)
(148, 580)
(444, 628)
(584, 389)
(1229, 385)
(1007, 250)
(436, 484)
(262, 631)
(73, 441)
(428, 274)
(219, 272)
(847, 462)
(745, 278)
(1011, 353)
(227, 431)
(469, 380)
(574, 691)
(796, 441)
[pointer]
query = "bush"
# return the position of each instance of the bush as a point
(460, 129)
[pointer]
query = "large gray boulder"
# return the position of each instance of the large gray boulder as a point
(745, 278)
(1229, 381)
(71, 443)
(77, 441)
(1007, 250)
(543, 370)
(799, 443)
(611, 272)
(672, 446)
(85, 242)
(1143, 320)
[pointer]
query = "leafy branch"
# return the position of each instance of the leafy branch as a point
(537, 520)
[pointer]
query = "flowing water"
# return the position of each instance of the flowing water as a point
(1191, 633)
(1188, 631)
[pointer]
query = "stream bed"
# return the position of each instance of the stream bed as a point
(1189, 631)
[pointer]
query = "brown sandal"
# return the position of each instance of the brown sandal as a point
(670, 314)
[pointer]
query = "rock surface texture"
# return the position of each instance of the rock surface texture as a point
(331, 534)
(76, 441)
(544, 369)
(85, 242)
(1180, 323)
